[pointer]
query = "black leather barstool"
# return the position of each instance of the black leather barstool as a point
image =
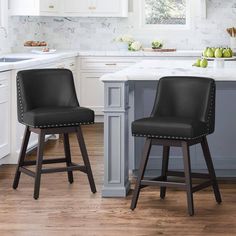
(183, 115)
(47, 104)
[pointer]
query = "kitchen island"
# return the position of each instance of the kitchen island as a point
(129, 95)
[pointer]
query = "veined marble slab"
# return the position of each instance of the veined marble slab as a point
(155, 69)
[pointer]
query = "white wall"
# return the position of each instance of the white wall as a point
(98, 33)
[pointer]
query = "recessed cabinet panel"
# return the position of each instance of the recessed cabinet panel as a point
(76, 6)
(24, 7)
(107, 7)
(92, 94)
(4, 114)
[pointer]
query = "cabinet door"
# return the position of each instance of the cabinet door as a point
(24, 7)
(92, 92)
(106, 6)
(77, 7)
(49, 6)
(4, 119)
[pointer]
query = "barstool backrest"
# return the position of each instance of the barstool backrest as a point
(41, 88)
(188, 97)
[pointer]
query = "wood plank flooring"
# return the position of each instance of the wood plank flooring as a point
(72, 210)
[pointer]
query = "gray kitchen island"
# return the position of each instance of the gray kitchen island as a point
(129, 95)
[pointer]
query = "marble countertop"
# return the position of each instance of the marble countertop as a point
(178, 53)
(155, 69)
(35, 59)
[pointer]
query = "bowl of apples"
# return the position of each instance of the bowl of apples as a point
(218, 55)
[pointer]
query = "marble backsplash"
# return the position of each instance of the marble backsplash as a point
(98, 33)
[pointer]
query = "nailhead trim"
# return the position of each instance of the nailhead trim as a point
(211, 106)
(20, 99)
(168, 137)
(63, 125)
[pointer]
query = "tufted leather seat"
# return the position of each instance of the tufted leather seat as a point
(47, 104)
(182, 116)
(46, 99)
(183, 109)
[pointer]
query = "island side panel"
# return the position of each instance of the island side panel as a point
(116, 162)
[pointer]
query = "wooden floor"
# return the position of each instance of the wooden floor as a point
(65, 209)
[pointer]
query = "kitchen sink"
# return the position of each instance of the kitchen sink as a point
(12, 59)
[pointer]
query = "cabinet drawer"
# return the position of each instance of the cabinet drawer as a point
(3, 91)
(107, 63)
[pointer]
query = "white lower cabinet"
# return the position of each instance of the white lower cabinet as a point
(92, 94)
(91, 89)
(4, 114)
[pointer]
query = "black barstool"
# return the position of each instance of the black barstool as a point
(47, 104)
(183, 115)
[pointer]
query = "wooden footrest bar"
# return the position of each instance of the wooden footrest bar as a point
(55, 170)
(46, 161)
(202, 186)
(193, 175)
(163, 184)
(27, 171)
(64, 169)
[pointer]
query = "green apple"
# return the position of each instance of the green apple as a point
(218, 53)
(204, 63)
(231, 51)
(197, 63)
(227, 53)
(213, 49)
(205, 52)
(210, 53)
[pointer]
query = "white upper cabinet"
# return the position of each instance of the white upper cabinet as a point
(96, 8)
(80, 8)
(35, 7)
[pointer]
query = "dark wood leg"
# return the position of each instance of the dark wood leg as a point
(165, 162)
(188, 180)
(39, 163)
(68, 156)
(210, 166)
(143, 164)
(86, 159)
(21, 157)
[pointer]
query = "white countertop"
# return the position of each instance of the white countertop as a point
(155, 69)
(178, 53)
(48, 58)
(35, 59)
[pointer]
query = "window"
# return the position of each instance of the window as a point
(165, 12)
(3, 13)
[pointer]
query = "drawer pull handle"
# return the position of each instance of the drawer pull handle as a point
(51, 6)
(72, 64)
(111, 64)
(92, 8)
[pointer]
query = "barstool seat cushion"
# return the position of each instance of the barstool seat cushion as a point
(51, 117)
(169, 127)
